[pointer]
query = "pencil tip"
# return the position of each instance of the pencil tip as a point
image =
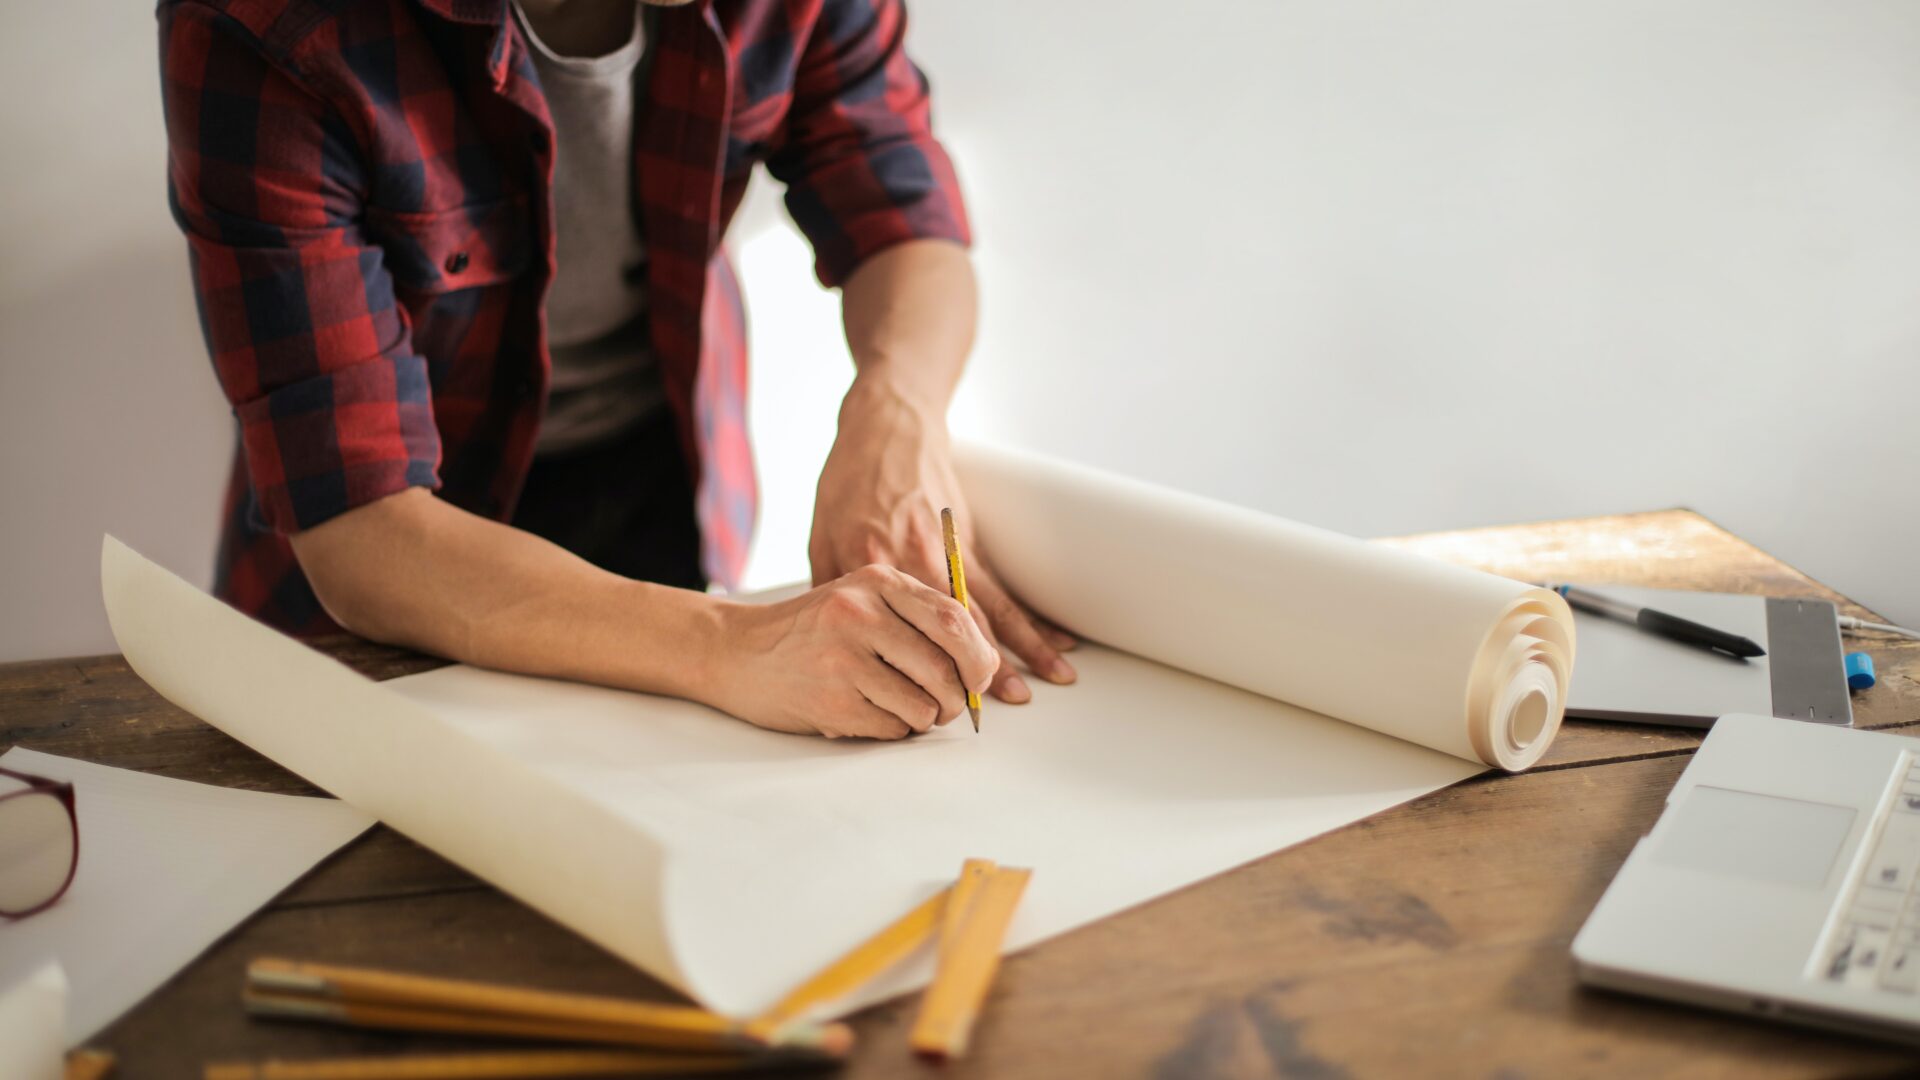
(975, 713)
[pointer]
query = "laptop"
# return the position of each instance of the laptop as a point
(1778, 882)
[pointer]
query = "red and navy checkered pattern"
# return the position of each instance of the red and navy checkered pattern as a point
(364, 186)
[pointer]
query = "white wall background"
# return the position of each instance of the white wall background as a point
(1383, 266)
(109, 416)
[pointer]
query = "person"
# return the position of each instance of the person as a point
(459, 269)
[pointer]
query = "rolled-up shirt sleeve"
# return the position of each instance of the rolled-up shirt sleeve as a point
(862, 168)
(298, 309)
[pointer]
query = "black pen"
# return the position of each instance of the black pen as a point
(1659, 622)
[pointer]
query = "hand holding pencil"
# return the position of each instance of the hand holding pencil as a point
(874, 654)
(879, 501)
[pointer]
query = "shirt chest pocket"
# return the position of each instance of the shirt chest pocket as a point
(449, 250)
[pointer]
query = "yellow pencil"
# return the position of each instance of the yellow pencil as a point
(957, 584)
(856, 969)
(389, 999)
(969, 957)
(973, 874)
(501, 1026)
(497, 1066)
(89, 1065)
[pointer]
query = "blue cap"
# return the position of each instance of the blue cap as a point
(1859, 670)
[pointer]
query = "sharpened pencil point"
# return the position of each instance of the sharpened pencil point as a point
(974, 711)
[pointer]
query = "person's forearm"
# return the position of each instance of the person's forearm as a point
(910, 313)
(413, 570)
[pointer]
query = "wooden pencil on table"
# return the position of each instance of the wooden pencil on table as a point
(521, 1065)
(857, 968)
(957, 585)
(88, 1065)
(499, 1025)
(969, 957)
(371, 998)
(974, 874)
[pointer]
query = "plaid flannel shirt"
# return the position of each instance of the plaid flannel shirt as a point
(365, 190)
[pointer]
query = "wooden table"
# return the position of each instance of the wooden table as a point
(1430, 940)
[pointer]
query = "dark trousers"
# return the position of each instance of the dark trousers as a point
(625, 505)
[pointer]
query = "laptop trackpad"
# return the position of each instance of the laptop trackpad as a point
(1764, 837)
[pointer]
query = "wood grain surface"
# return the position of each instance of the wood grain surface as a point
(1428, 941)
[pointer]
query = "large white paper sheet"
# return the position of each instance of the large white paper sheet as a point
(731, 862)
(33, 1017)
(784, 851)
(166, 867)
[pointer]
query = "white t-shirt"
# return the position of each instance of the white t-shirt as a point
(604, 374)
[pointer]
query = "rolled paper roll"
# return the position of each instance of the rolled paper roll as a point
(1452, 658)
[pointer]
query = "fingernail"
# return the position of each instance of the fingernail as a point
(1062, 672)
(1016, 690)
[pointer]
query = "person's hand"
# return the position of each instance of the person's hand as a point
(885, 482)
(873, 653)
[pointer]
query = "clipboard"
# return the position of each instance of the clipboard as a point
(1626, 674)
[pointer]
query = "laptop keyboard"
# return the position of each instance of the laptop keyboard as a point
(1874, 941)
